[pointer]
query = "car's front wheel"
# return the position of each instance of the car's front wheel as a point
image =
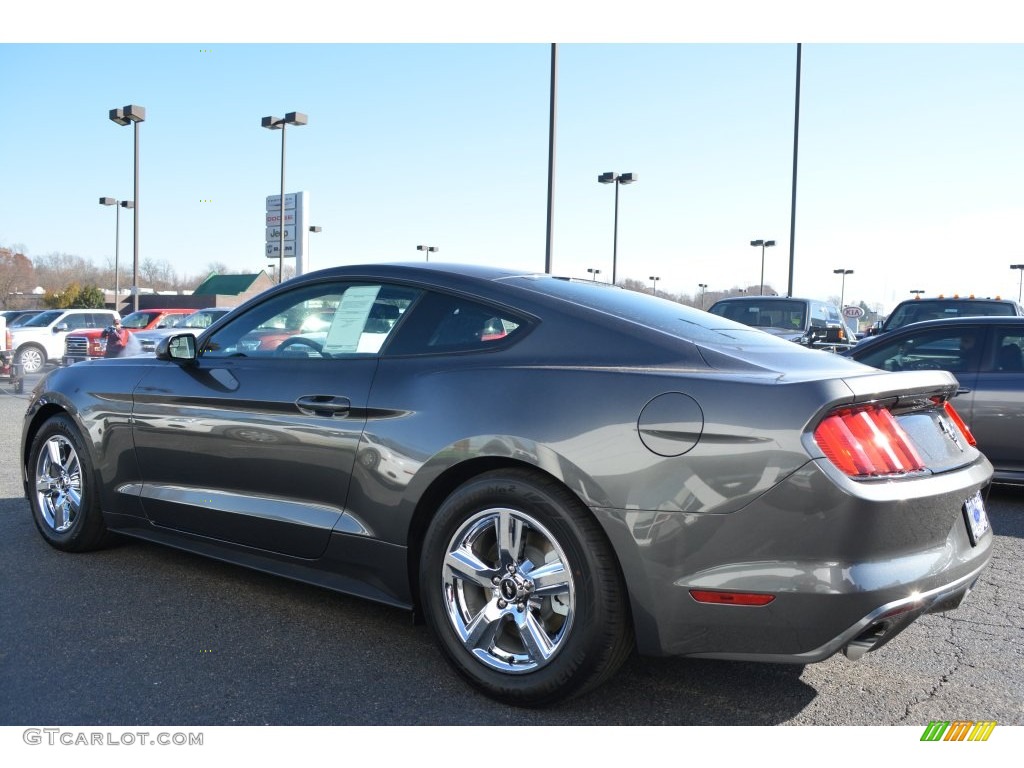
(31, 358)
(64, 501)
(522, 589)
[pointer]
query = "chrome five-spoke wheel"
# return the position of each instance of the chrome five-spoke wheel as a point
(65, 503)
(522, 589)
(508, 591)
(59, 483)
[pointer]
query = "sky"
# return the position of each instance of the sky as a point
(908, 166)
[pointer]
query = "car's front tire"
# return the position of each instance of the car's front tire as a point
(63, 498)
(522, 589)
(31, 358)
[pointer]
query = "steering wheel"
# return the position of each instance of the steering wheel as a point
(291, 345)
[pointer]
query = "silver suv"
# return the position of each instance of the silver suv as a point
(41, 339)
(809, 322)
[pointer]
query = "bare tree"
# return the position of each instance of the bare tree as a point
(17, 276)
(56, 271)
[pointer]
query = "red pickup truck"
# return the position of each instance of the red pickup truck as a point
(91, 344)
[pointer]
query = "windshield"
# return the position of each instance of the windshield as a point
(770, 314)
(203, 319)
(43, 319)
(139, 319)
(20, 320)
(917, 310)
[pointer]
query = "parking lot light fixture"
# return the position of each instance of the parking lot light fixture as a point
(133, 114)
(764, 244)
(118, 205)
(842, 290)
(654, 284)
(703, 289)
(593, 273)
(313, 230)
(279, 124)
(1020, 282)
(611, 177)
(427, 250)
(917, 293)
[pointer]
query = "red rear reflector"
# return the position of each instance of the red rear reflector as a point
(867, 442)
(730, 598)
(955, 417)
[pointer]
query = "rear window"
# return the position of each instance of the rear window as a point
(916, 311)
(791, 315)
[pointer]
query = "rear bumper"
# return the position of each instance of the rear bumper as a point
(847, 572)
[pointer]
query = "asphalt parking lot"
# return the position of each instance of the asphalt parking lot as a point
(139, 634)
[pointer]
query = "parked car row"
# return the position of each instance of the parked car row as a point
(40, 339)
(91, 344)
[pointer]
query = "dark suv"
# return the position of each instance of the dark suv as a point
(809, 322)
(917, 309)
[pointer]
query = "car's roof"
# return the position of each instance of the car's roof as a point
(948, 299)
(768, 298)
(943, 322)
(912, 329)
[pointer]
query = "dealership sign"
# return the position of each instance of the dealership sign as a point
(293, 225)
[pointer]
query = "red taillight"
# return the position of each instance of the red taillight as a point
(730, 598)
(867, 442)
(955, 418)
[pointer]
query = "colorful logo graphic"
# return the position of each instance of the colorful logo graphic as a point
(958, 730)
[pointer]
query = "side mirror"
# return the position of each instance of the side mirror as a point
(60, 327)
(181, 348)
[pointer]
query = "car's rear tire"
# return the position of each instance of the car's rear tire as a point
(522, 589)
(31, 358)
(64, 501)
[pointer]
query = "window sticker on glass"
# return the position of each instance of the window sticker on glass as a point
(350, 319)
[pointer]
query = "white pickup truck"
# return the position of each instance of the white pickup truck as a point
(41, 339)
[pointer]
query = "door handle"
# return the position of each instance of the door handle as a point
(963, 391)
(323, 405)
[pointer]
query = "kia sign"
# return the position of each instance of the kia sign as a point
(853, 312)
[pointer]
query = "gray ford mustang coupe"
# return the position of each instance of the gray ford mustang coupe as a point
(550, 472)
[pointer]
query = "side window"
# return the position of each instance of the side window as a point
(954, 349)
(320, 321)
(443, 323)
(75, 321)
(1009, 350)
(818, 317)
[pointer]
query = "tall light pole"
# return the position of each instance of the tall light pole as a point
(427, 250)
(842, 290)
(654, 284)
(616, 178)
(278, 124)
(593, 273)
(764, 244)
(703, 289)
(551, 156)
(133, 113)
(118, 205)
(1020, 283)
